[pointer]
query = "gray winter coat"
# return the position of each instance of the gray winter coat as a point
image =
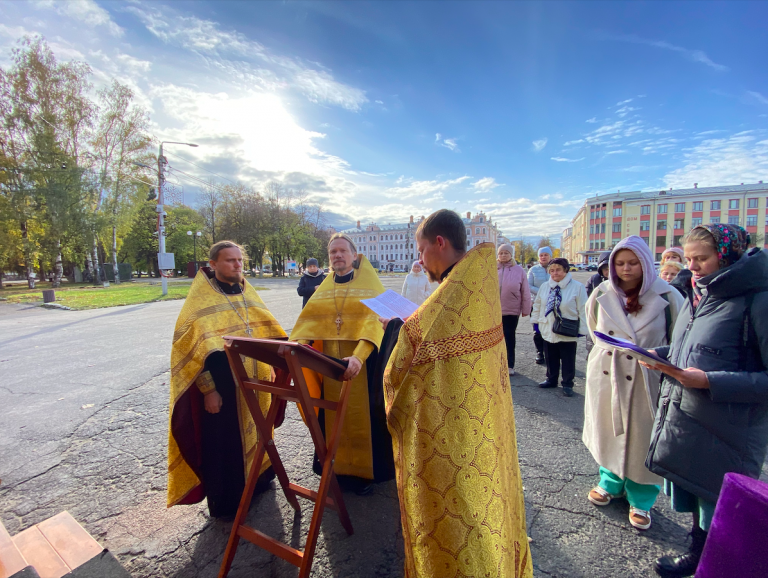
(537, 276)
(699, 435)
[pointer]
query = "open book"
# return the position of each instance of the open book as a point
(391, 304)
(632, 349)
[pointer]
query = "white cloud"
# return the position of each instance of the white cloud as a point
(564, 160)
(757, 96)
(623, 102)
(252, 60)
(85, 11)
(625, 110)
(591, 120)
(410, 189)
(539, 144)
(617, 152)
(449, 143)
(694, 55)
(573, 142)
(485, 185)
(740, 158)
(379, 102)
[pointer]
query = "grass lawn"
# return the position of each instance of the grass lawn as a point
(84, 296)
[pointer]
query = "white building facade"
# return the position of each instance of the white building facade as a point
(393, 247)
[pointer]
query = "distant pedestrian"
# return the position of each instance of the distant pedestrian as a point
(670, 270)
(538, 276)
(416, 287)
(620, 400)
(559, 317)
(713, 411)
(593, 283)
(515, 298)
(310, 280)
(673, 254)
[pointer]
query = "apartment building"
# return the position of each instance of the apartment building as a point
(662, 218)
(392, 246)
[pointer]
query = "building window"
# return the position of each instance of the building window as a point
(661, 225)
(602, 229)
(679, 223)
(751, 220)
(591, 229)
(679, 207)
(733, 204)
(733, 219)
(591, 245)
(617, 212)
(645, 210)
(698, 206)
(658, 256)
(714, 220)
(644, 226)
(602, 214)
(469, 243)
(483, 230)
(695, 222)
(751, 203)
(677, 240)
(617, 227)
(591, 215)
(602, 244)
(477, 231)
(662, 209)
(481, 219)
(647, 240)
(661, 241)
(469, 231)
(477, 242)
(714, 206)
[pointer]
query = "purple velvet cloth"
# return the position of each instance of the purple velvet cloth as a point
(736, 543)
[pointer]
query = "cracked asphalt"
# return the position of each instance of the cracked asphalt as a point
(84, 428)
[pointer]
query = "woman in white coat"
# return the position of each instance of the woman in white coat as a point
(416, 287)
(561, 296)
(620, 401)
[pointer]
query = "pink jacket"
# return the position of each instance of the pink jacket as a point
(515, 293)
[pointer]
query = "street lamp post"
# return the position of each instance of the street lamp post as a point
(161, 211)
(194, 245)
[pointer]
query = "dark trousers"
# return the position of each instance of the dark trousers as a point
(509, 323)
(538, 341)
(554, 353)
(222, 465)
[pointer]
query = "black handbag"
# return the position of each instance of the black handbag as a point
(565, 327)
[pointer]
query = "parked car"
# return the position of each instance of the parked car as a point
(592, 267)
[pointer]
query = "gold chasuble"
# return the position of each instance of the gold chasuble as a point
(449, 410)
(206, 317)
(339, 325)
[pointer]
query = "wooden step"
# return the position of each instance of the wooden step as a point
(56, 546)
(11, 560)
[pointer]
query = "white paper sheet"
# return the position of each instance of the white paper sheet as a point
(391, 304)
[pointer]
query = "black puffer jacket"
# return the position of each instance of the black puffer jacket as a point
(700, 435)
(308, 283)
(599, 277)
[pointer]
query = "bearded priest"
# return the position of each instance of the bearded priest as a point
(449, 410)
(335, 322)
(212, 437)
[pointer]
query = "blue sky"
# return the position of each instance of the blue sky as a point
(384, 110)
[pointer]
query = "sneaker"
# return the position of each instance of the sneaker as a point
(599, 497)
(511, 371)
(568, 391)
(640, 519)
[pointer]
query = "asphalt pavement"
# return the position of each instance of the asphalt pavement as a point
(85, 423)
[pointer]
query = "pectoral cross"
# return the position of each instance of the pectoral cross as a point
(248, 331)
(338, 323)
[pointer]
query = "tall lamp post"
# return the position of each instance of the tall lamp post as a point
(194, 245)
(163, 259)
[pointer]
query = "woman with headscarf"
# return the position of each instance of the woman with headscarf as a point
(673, 254)
(416, 287)
(515, 297)
(713, 410)
(560, 298)
(633, 304)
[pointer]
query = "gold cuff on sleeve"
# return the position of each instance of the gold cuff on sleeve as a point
(205, 383)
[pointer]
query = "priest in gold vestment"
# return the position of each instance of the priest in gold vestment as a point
(212, 438)
(336, 322)
(449, 410)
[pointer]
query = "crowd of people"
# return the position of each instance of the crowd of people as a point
(678, 425)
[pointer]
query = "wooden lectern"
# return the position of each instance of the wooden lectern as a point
(287, 358)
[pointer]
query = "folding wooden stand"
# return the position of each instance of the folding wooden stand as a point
(287, 358)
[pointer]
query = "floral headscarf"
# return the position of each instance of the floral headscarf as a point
(731, 241)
